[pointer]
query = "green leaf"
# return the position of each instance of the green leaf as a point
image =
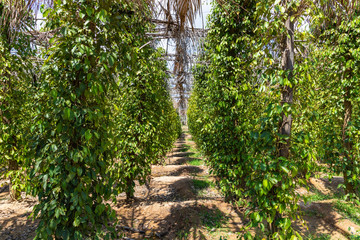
(265, 183)
(102, 15)
(287, 223)
(67, 113)
(53, 93)
(111, 60)
(284, 169)
(79, 171)
(57, 212)
(76, 222)
(88, 135)
(89, 11)
(81, 15)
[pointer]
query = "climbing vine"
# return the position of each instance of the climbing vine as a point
(97, 106)
(245, 116)
(338, 73)
(147, 123)
(16, 89)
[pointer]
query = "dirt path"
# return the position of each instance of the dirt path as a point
(181, 201)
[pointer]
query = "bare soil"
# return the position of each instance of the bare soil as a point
(182, 202)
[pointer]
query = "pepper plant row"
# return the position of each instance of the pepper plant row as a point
(278, 95)
(80, 127)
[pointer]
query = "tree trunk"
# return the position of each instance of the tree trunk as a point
(14, 193)
(287, 93)
(129, 189)
(349, 188)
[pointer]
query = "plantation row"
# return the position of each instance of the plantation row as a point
(275, 98)
(85, 115)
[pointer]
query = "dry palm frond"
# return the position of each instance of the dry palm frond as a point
(15, 15)
(14, 11)
(179, 20)
(185, 11)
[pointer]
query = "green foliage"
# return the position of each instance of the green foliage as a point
(146, 120)
(354, 237)
(350, 210)
(317, 196)
(16, 91)
(202, 184)
(337, 70)
(103, 115)
(213, 218)
(73, 135)
(235, 110)
(101, 112)
(196, 162)
(96, 104)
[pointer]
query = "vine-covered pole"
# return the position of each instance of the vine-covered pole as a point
(287, 90)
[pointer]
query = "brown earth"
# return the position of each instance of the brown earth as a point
(182, 202)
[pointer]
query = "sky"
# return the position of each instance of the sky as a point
(206, 9)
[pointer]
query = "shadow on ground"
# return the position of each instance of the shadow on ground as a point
(184, 220)
(321, 219)
(187, 170)
(18, 227)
